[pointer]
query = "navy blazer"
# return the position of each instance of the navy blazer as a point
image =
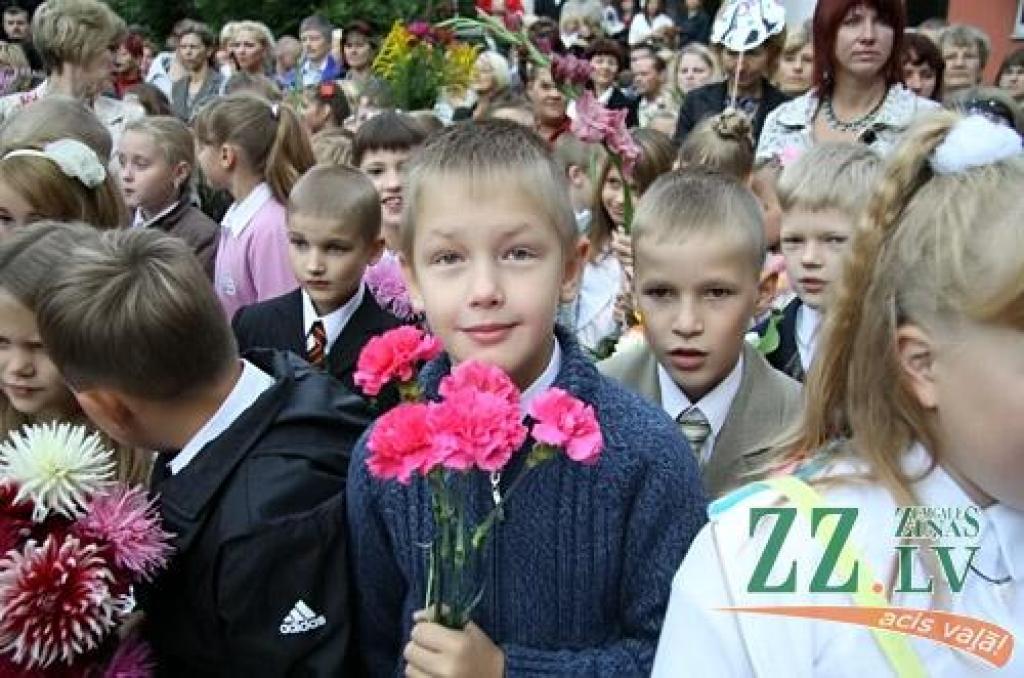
(277, 323)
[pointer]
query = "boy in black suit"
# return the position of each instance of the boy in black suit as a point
(253, 458)
(334, 233)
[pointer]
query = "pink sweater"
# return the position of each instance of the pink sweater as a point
(252, 257)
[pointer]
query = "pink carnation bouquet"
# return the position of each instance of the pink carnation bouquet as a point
(475, 427)
(73, 543)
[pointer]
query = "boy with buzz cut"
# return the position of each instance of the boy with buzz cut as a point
(252, 458)
(699, 245)
(333, 235)
(821, 194)
(577, 573)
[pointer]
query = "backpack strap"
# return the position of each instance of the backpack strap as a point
(896, 647)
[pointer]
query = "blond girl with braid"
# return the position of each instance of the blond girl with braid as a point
(916, 400)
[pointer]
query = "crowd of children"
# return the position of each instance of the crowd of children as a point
(836, 323)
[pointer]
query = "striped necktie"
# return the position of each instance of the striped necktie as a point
(316, 344)
(696, 428)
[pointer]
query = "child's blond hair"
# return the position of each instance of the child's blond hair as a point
(40, 181)
(830, 176)
(723, 143)
(332, 146)
(487, 156)
(125, 289)
(270, 137)
(690, 201)
(933, 250)
(174, 140)
(28, 259)
(341, 193)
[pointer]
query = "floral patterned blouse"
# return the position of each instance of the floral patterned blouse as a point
(789, 129)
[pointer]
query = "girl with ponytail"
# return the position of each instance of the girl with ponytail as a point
(915, 401)
(255, 150)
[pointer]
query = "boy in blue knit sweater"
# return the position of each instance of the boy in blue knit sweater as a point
(577, 574)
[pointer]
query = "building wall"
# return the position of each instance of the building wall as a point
(995, 17)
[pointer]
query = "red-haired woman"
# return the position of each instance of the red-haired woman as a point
(857, 93)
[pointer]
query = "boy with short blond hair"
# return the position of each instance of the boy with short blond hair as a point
(490, 248)
(821, 195)
(699, 245)
(252, 462)
(333, 235)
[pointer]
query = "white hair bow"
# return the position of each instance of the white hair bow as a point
(74, 159)
(973, 142)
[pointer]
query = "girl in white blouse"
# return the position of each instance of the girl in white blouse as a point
(916, 400)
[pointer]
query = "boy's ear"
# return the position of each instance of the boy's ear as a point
(576, 175)
(180, 174)
(574, 264)
(228, 156)
(915, 353)
(110, 411)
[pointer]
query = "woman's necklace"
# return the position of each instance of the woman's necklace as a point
(857, 124)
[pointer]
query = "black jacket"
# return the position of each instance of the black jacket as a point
(710, 100)
(786, 357)
(257, 584)
(619, 100)
(277, 323)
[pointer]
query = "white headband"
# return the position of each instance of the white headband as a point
(973, 142)
(74, 158)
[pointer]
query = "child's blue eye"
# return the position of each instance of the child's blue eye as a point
(445, 258)
(520, 254)
(658, 292)
(718, 293)
(835, 239)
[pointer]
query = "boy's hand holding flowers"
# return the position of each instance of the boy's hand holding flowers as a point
(434, 651)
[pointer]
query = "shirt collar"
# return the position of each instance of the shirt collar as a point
(808, 322)
(800, 111)
(241, 212)
(714, 405)
(141, 222)
(1002, 535)
(335, 321)
(545, 381)
(249, 387)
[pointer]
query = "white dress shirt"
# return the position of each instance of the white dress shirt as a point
(241, 212)
(808, 323)
(249, 387)
(715, 404)
(700, 639)
(545, 381)
(334, 322)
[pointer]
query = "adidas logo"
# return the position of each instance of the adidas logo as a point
(301, 619)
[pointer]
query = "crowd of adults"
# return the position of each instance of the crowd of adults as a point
(831, 80)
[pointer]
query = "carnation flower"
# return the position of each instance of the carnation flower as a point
(564, 421)
(476, 428)
(128, 523)
(394, 355)
(478, 376)
(597, 124)
(15, 519)
(55, 602)
(401, 444)
(386, 282)
(133, 659)
(57, 466)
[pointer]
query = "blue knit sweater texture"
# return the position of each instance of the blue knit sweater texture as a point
(578, 573)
